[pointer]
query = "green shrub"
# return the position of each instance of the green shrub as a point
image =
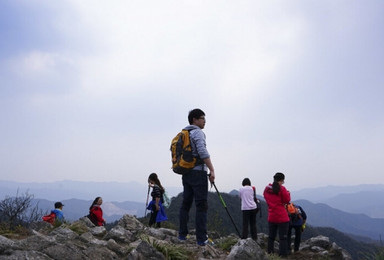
(227, 243)
(13, 232)
(170, 251)
(380, 255)
(78, 227)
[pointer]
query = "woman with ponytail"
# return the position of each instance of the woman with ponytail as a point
(277, 196)
(156, 205)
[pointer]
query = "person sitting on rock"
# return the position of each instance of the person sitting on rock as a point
(59, 211)
(56, 215)
(96, 213)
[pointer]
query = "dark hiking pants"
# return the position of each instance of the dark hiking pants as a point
(249, 219)
(283, 234)
(195, 185)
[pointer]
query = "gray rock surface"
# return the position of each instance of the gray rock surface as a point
(130, 239)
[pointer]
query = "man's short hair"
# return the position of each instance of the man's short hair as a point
(58, 205)
(195, 113)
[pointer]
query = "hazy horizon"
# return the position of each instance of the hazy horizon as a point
(143, 185)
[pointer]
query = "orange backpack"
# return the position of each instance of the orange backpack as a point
(181, 152)
(292, 210)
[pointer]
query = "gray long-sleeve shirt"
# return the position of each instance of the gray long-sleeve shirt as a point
(199, 146)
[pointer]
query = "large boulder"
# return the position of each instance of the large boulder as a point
(5, 243)
(120, 234)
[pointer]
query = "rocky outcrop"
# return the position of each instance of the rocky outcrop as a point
(315, 248)
(321, 246)
(132, 240)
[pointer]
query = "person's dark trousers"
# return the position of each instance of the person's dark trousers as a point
(249, 218)
(195, 185)
(283, 233)
(297, 237)
(153, 216)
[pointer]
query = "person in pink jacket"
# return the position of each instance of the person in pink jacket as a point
(277, 196)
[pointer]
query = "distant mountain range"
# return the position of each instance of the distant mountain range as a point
(327, 192)
(349, 209)
(65, 190)
(74, 208)
(319, 215)
(364, 199)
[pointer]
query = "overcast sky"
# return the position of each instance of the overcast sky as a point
(96, 90)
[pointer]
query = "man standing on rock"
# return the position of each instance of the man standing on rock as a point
(195, 183)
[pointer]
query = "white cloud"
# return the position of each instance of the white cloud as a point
(141, 45)
(36, 64)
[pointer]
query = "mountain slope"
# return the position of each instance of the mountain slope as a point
(219, 221)
(321, 215)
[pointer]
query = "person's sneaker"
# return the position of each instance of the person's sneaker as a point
(203, 243)
(182, 238)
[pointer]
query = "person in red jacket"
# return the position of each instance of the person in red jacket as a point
(96, 213)
(276, 196)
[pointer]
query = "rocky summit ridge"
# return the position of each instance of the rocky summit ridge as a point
(130, 239)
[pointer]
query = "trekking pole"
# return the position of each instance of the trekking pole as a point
(225, 206)
(146, 204)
